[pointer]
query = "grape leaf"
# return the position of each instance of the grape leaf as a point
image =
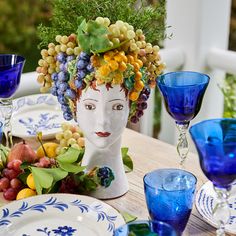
(93, 37)
(127, 161)
(56, 173)
(70, 156)
(128, 217)
(69, 167)
(42, 179)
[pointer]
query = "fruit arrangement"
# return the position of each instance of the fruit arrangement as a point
(101, 52)
(53, 167)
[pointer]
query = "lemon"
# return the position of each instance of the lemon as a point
(30, 181)
(24, 193)
(50, 149)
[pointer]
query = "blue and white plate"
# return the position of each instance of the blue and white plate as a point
(59, 215)
(35, 113)
(206, 200)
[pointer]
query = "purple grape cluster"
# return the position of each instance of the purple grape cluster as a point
(105, 175)
(84, 67)
(61, 88)
(141, 104)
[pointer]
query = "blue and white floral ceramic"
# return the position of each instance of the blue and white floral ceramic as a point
(206, 200)
(59, 215)
(35, 113)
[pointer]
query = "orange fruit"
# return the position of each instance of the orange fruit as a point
(24, 193)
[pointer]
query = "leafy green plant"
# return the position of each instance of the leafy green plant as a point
(18, 26)
(66, 17)
(229, 92)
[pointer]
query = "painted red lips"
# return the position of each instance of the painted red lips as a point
(103, 134)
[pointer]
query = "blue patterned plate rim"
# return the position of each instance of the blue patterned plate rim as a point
(34, 113)
(84, 210)
(205, 201)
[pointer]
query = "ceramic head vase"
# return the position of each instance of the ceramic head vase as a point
(102, 78)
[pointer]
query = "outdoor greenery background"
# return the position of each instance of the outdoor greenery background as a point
(18, 34)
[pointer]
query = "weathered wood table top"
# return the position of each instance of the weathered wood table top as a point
(149, 154)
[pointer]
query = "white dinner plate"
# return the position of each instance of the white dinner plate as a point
(59, 215)
(205, 202)
(35, 113)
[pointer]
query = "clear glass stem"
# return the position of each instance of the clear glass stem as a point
(221, 211)
(182, 146)
(6, 112)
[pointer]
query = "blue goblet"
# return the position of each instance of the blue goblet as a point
(11, 67)
(215, 141)
(169, 196)
(145, 227)
(183, 92)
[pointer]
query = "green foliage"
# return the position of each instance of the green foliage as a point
(67, 13)
(229, 91)
(18, 25)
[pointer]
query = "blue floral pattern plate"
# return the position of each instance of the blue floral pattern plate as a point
(59, 215)
(35, 113)
(205, 202)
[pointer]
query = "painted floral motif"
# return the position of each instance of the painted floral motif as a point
(60, 231)
(44, 123)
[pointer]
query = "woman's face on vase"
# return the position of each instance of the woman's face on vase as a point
(102, 115)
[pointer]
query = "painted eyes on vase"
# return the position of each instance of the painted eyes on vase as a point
(90, 106)
(117, 107)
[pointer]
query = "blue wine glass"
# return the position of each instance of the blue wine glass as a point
(169, 196)
(11, 67)
(145, 227)
(215, 141)
(183, 93)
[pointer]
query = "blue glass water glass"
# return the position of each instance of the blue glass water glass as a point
(183, 93)
(11, 67)
(215, 141)
(169, 196)
(139, 227)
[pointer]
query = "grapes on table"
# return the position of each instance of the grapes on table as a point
(71, 135)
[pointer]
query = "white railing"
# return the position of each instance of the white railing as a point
(222, 59)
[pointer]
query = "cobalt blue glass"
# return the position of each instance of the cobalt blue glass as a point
(183, 93)
(11, 67)
(215, 141)
(145, 227)
(169, 196)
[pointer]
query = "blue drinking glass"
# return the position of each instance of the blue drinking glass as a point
(11, 67)
(183, 93)
(169, 196)
(215, 141)
(145, 227)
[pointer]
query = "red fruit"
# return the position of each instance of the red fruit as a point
(45, 162)
(22, 151)
(10, 165)
(10, 194)
(16, 165)
(4, 183)
(16, 183)
(10, 173)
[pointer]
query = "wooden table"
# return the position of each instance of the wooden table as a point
(149, 154)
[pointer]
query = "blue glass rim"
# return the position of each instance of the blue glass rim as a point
(160, 78)
(216, 120)
(150, 221)
(166, 169)
(20, 59)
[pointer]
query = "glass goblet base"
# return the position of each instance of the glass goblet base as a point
(6, 113)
